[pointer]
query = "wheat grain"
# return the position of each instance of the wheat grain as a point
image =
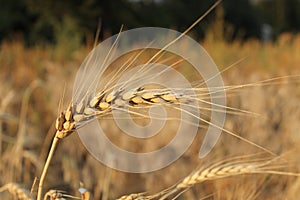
(217, 172)
(54, 195)
(138, 196)
(101, 104)
(60, 195)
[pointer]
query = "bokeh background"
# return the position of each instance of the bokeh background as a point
(44, 42)
(37, 22)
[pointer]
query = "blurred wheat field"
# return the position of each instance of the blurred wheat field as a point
(35, 79)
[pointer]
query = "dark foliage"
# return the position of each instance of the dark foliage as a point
(43, 21)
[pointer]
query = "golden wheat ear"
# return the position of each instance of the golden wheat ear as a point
(65, 123)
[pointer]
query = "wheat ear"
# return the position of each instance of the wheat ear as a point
(234, 167)
(65, 123)
(226, 168)
(15, 189)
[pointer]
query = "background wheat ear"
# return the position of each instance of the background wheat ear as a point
(17, 191)
(229, 167)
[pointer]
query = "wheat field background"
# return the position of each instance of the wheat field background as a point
(33, 81)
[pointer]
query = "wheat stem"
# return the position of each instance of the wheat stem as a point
(46, 166)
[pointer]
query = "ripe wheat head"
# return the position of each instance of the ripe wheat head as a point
(111, 95)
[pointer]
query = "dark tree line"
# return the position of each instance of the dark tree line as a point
(54, 20)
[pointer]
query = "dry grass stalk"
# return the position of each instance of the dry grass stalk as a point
(3, 104)
(13, 159)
